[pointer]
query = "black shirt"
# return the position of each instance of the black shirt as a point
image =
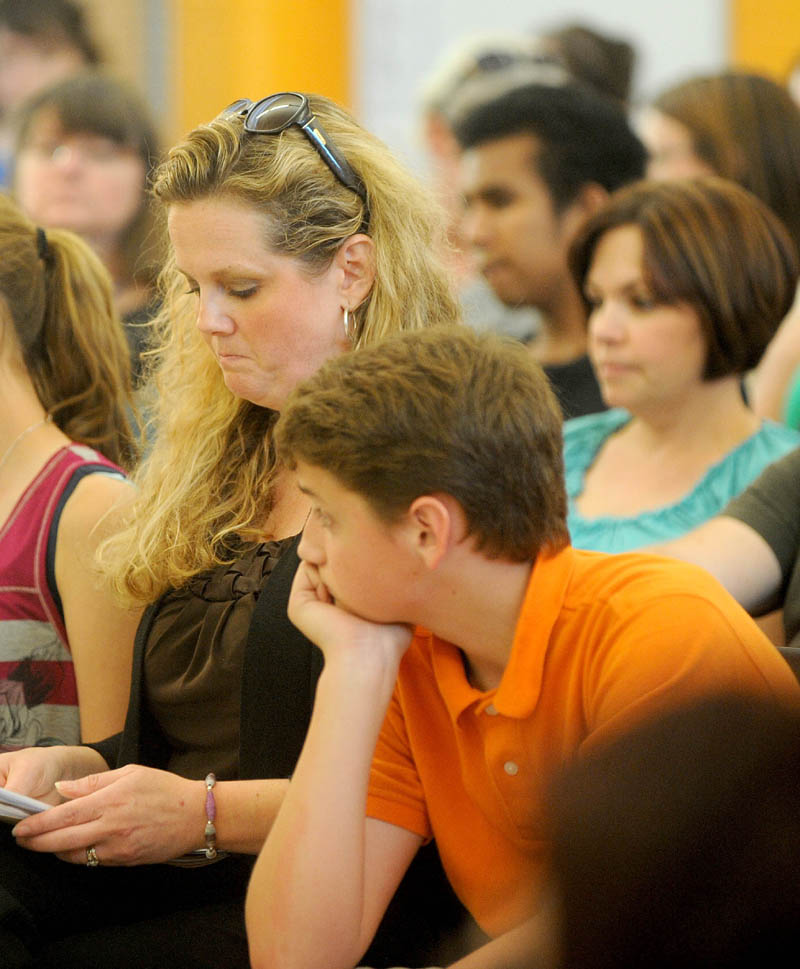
(576, 387)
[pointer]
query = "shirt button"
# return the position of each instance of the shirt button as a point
(511, 768)
(492, 710)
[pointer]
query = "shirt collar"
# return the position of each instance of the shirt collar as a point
(519, 689)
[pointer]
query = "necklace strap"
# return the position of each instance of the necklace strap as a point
(45, 420)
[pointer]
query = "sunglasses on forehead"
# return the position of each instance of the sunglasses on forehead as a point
(276, 113)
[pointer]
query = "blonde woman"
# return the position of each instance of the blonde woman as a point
(295, 237)
(64, 398)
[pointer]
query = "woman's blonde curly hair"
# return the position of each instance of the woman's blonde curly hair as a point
(207, 484)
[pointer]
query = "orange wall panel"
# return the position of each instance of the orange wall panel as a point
(765, 35)
(226, 49)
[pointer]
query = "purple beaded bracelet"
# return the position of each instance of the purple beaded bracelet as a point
(211, 817)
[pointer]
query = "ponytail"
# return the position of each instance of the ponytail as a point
(59, 297)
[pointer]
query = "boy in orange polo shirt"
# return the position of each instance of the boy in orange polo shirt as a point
(433, 466)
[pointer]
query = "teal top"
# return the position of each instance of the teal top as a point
(583, 438)
(791, 409)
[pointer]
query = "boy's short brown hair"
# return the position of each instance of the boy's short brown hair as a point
(440, 410)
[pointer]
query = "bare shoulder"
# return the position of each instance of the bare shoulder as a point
(95, 507)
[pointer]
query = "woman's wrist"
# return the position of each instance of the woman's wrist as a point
(245, 811)
(210, 832)
(79, 761)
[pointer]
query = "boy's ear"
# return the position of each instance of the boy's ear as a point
(436, 523)
(356, 259)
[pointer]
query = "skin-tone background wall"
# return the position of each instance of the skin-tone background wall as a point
(191, 57)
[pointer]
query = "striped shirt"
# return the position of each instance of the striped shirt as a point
(38, 691)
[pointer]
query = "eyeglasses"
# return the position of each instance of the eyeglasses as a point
(276, 113)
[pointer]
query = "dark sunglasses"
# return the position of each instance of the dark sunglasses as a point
(276, 113)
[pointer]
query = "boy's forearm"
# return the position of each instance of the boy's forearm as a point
(305, 903)
(529, 946)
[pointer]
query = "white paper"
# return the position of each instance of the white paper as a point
(14, 807)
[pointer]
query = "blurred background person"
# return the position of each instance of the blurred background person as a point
(65, 644)
(599, 60)
(744, 127)
(678, 844)
(475, 70)
(741, 126)
(85, 150)
(685, 282)
(537, 161)
(41, 42)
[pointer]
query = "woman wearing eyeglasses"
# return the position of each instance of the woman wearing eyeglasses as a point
(85, 150)
(295, 236)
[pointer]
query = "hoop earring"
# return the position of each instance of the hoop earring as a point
(347, 330)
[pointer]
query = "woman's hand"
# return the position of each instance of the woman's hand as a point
(35, 770)
(131, 816)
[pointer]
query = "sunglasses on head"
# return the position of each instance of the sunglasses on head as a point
(276, 113)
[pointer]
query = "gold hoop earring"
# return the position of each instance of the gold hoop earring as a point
(347, 332)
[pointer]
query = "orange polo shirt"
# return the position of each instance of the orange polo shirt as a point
(602, 642)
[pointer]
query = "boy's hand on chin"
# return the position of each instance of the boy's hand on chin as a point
(336, 630)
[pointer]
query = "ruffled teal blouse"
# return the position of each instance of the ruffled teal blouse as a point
(583, 438)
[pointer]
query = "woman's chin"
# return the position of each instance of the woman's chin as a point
(244, 390)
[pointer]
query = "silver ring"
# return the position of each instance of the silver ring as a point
(92, 861)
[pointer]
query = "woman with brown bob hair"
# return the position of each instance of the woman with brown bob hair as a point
(295, 236)
(684, 283)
